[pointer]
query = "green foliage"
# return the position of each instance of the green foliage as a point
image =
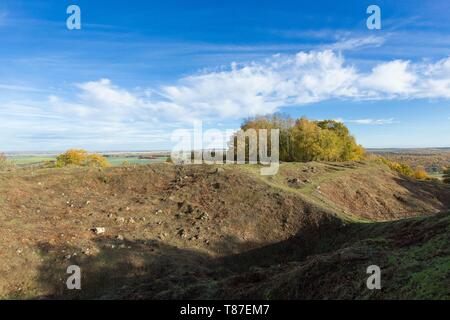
(305, 140)
(79, 157)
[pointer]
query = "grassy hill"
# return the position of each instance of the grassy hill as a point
(223, 232)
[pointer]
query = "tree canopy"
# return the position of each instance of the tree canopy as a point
(306, 140)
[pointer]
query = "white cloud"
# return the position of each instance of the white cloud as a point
(371, 121)
(11, 87)
(357, 43)
(104, 112)
(393, 77)
(103, 92)
(261, 87)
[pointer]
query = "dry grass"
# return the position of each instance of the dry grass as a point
(170, 227)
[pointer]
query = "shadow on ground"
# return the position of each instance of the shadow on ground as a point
(152, 269)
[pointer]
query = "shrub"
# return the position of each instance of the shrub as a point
(3, 160)
(404, 169)
(75, 157)
(97, 160)
(447, 176)
(421, 174)
(80, 157)
(306, 140)
(5, 164)
(125, 163)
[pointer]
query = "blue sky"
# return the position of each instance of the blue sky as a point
(138, 70)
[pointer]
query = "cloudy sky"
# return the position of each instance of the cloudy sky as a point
(137, 71)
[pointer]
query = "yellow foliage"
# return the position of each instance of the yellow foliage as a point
(97, 160)
(404, 169)
(75, 157)
(306, 140)
(420, 174)
(80, 157)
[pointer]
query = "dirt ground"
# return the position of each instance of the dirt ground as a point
(177, 231)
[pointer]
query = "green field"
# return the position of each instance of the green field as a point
(29, 160)
(113, 160)
(118, 161)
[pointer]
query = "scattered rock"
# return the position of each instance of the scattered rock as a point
(98, 230)
(119, 237)
(203, 216)
(120, 219)
(162, 235)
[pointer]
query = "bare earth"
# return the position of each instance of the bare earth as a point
(222, 232)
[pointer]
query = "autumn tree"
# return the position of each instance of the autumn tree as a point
(306, 140)
(80, 157)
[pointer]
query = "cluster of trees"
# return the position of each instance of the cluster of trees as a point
(305, 140)
(80, 157)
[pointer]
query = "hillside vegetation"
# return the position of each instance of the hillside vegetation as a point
(204, 231)
(304, 140)
(80, 157)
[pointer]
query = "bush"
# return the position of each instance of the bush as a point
(97, 160)
(421, 174)
(5, 164)
(447, 176)
(3, 160)
(80, 157)
(405, 170)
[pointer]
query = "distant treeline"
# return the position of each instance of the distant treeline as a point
(305, 140)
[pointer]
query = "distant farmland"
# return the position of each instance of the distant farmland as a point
(434, 160)
(116, 159)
